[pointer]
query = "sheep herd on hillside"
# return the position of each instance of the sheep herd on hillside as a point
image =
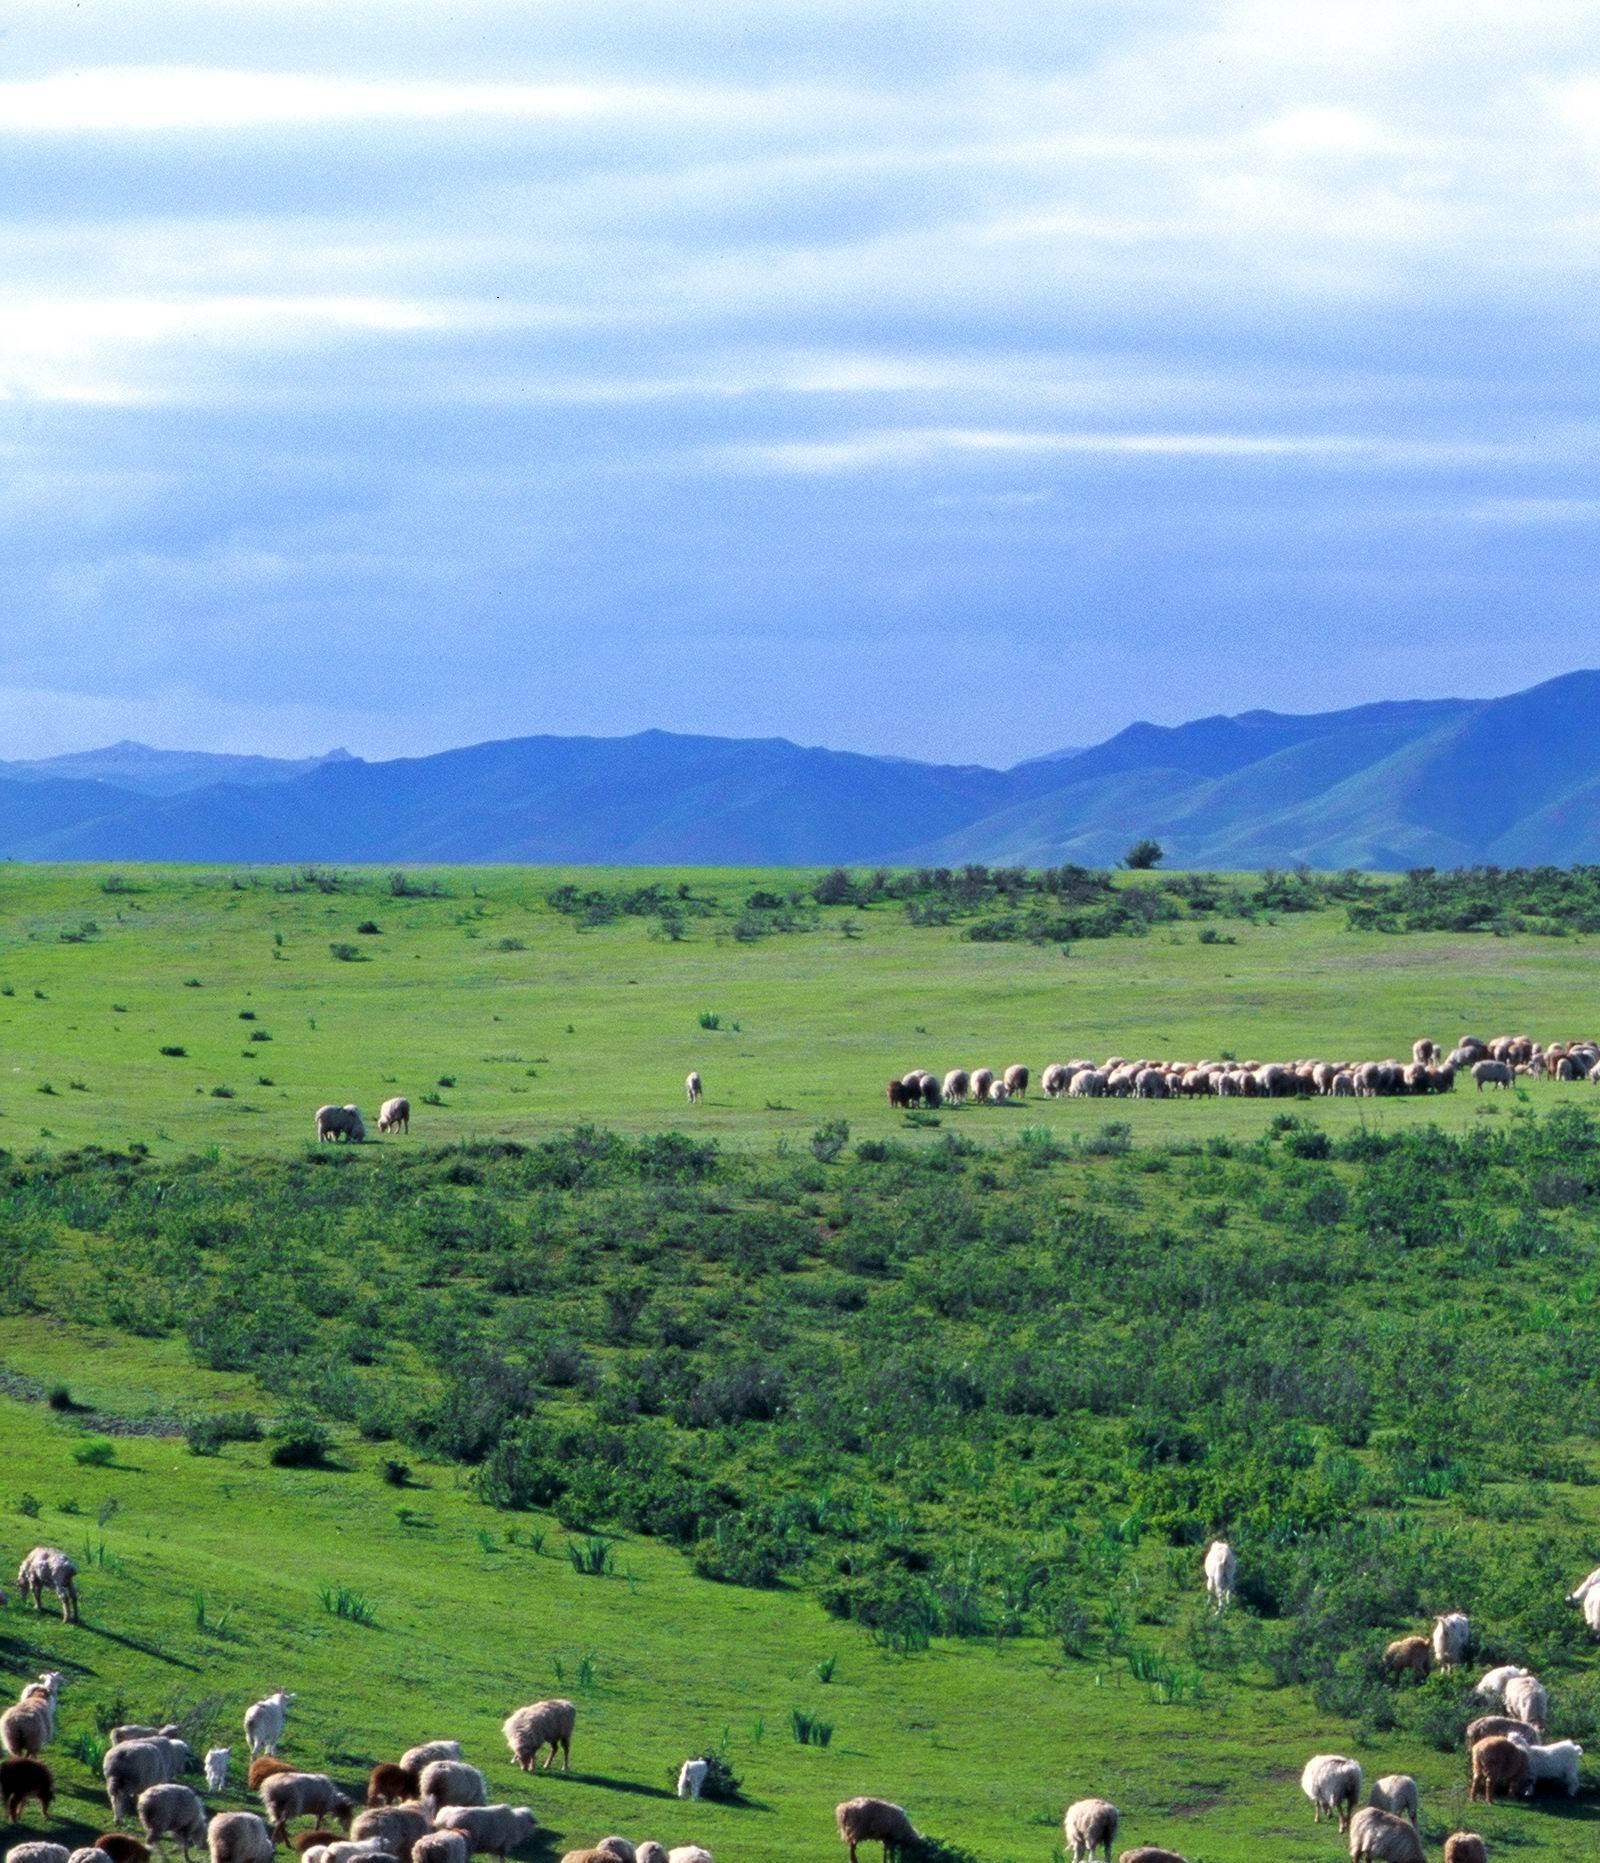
(1501, 1062)
(432, 1806)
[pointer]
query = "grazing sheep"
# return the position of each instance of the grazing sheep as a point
(122, 1848)
(494, 1828)
(957, 1085)
(691, 1777)
(1424, 1051)
(1465, 1847)
(136, 1765)
(1333, 1784)
(172, 1811)
(304, 1842)
(999, 1093)
(868, 1820)
(541, 1724)
(216, 1763)
(415, 1758)
(1451, 1634)
(1221, 1567)
(593, 1853)
(238, 1837)
(137, 1730)
(1379, 1837)
(1090, 1824)
(1409, 1653)
(1557, 1762)
(263, 1720)
(982, 1081)
(899, 1094)
(1396, 1792)
(689, 1853)
(932, 1092)
(1088, 1083)
(396, 1827)
(620, 1848)
(38, 1853)
(1151, 1853)
(1499, 1764)
(450, 1782)
(343, 1850)
(1491, 1684)
(441, 1847)
(88, 1854)
(1493, 1074)
(1054, 1080)
(1488, 1725)
(395, 1115)
(391, 1785)
(692, 1088)
(651, 1852)
(289, 1795)
(340, 1122)
(47, 1568)
(22, 1779)
(262, 1768)
(1525, 1698)
(1016, 1081)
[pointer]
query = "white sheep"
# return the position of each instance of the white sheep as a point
(1054, 1080)
(1221, 1567)
(340, 1122)
(263, 1720)
(1089, 1083)
(1591, 1611)
(396, 1827)
(1526, 1700)
(136, 1765)
(90, 1853)
(689, 1853)
(1016, 1081)
(1491, 1684)
(1396, 1792)
(1333, 1784)
(395, 1115)
(1380, 1837)
(651, 1852)
(441, 1847)
(38, 1853)
(1089, 1824)
(541, 1724)
(217, 1772)
(692, 1087)
(494, 1828)
(415, 1758)
(1591, 1583)
(47, 1568)
(1451, 1635)
(172, 1811)
(619, 1847)
(1558, 1761)
(450, 1782)
(142, 1730)
(691, 1777)
(239, 1837)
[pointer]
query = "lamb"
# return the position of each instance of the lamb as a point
(1451, 1634)
(1557, 1762)
(172, 1811)
(1333, 1784)
(396, 1827)
(1465, 1847)
(1491, 1684)
(122, 1848)
(261, 1769)
(49, 1568)
(136, 1765)
(37, 1853)
(1525, 1697)
(1409, 1653)
(1088, 1824)
(863, 1820)
(289, 1795)
(1016, 1081)
(441, 1847)
(1379, 1837)
(263, 1720)
(1499, 1764)
(391, 1785)
(1488, 1725)
(395, 1115)
(22, 1779)
(340, 1122)
(415, 1758)
(541, 1724)
(138, 1730)
(238, 1837)
(1220, 1568)
(494, 1828)
(957, 1085)
(1396, 1792)
(692, 1087)
(691, 1777)
(450, 1782)
(216, 1764)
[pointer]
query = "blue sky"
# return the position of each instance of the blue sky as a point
(958, 381)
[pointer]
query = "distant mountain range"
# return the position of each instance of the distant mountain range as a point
(1441, 782)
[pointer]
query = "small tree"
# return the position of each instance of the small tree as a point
(1143, 855)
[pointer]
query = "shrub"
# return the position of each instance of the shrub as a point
(829, 1140)
(97, 1452)
(346, 953)
(59, 1398)
(1143, 855)
(174, 1053)
(709, 1019)
(352, 1606)
(28, 1505)
(298, 1442)
(590, 1557)
(368, 928)
(396, 1474)
(721, 1781)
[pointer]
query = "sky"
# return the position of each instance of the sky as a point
(958, 381)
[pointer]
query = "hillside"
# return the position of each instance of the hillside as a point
(1391, 786)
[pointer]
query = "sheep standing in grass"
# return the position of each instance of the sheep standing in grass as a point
(1413, 1654)
(415, 1758)
(541, 1724)
(1016, 1081)
(1526, 1699)
(37, 1853)
(1451, 1634)
(1333, 1784)
(1221, 1568)
(1499, 1764)
(982, 1081)
(140, 1730)
(450, 1782)
(441, 1847)
(998, 1094)
(651, 1852)
(1380, 1837)
(25, 1729)
(172, 1811)
(395, 1115)
(1487, 1725)
(1151, 1853)
(47, 1568)
(957, 1085)
(868, 1820)
(90, 1853)
(217, 1768)
(137, 1765)
(497, 1829)
(691, 1777)
(1491, 1685)
(1557, 1763)
(340, 1122)
(1396, 1792)
(121, 1848)
(263, 1720)
(1054, 1080)
(262, 1768)
(692, 1087)
(238, 1837)
(1090, 1824)
(396, 1827)
(388, 1784)
(289, 1795)
(1591, 1611)
(1591, 1583)
(1465, 1847)
(22, 1779)
(689, 1853)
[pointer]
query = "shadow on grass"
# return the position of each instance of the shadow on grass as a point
(137, 1643)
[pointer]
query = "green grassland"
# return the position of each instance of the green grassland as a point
(538, 1023)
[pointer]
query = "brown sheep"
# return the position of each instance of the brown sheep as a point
(263, 1767)
(1465, 1847)
(1488, 1725)
(1499, 1764)
(302, 1841)
(1016, 1079)
(1409, 1653)
(22, 1779)
(899, 1094)
(121, 1848)
(388, 1784)
(875, 1820)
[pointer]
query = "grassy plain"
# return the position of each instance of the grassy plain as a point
(537, 1023)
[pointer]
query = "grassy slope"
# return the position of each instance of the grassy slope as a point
(603, 1025)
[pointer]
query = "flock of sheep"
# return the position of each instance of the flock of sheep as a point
(345, 1122)
(1497, 1063)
